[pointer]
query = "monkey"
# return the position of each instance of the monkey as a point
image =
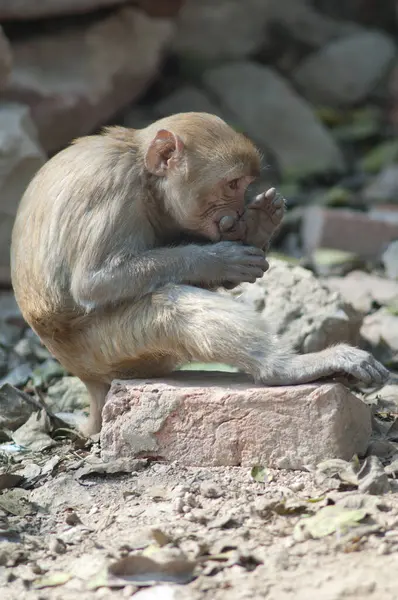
(117, 252)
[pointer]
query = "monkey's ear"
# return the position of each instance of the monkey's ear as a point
(164, 152)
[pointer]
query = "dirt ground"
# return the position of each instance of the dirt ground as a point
(231, 532)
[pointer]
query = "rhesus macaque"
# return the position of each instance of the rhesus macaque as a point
(116, 240)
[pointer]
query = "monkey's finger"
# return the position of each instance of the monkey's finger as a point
(254, 251)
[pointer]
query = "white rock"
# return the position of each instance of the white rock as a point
(275, 116)
(302, 310)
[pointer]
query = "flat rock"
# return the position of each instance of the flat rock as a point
(346, 70)
(77, 78)
(333, 228)
(267, 107)
(214, 419)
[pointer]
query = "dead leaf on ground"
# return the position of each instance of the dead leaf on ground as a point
(143, 571)
(97, 467)
(260, 474)
(34, 433)
(329, 519)
(343, 470)
(16, 502)
(372, 477)
(52, 580)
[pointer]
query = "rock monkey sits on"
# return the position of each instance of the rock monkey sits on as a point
(119, 241)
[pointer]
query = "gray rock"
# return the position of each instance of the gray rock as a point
(20, 157)
(390, 260)
(223, 29)
(302, 310)
(275, 116)
(346, 70)
(77, 78)
(186, 99)
(5, 59)
(215, 30)
(15, 410)
(384, 186)
(9, 309)
(18, 376)
(67, 394)
(235, 422)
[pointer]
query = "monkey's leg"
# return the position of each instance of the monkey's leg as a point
(97, 391)
(190, 324)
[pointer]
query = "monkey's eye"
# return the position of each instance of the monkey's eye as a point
(233, 184)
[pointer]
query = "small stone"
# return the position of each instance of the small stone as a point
(209, 489)
(297, 487)
(56, 546)
(236, 422)
(347, 230)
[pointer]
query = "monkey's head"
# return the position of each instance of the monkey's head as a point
(202, 169)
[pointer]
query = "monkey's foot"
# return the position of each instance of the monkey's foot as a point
(263, 217)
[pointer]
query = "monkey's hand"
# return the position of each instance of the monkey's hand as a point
(263, 216)
(235, 263)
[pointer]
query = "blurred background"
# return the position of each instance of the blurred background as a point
(313, 83)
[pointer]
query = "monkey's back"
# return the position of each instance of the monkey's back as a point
(57, 216)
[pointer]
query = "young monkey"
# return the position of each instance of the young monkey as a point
(104, 271)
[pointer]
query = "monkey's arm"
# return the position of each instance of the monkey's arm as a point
(126, 276)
